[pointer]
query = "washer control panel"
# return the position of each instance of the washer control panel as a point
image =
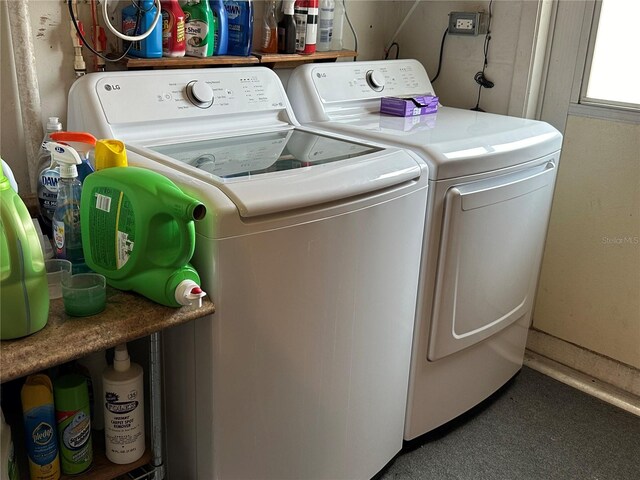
(150, 97)
(346, 82)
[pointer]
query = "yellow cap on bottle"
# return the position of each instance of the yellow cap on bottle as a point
(110, 153)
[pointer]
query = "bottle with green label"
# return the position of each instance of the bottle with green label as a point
(138, 231)
(73, 416)
(200, 27)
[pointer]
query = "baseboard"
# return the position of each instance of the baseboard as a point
(599, 376)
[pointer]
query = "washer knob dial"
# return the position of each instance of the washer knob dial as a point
(375, 80)
(199, 93)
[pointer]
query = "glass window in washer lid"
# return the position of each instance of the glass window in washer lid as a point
(260, 154)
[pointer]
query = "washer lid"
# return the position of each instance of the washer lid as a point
(283, 170)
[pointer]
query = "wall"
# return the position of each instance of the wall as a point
(589, 291)
(514, 29)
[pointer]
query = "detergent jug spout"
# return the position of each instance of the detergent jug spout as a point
(183, 205)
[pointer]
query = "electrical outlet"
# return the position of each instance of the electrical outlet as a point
(467, 23)
(464, 24)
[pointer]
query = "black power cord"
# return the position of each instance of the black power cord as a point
(386, 55)
(86, 44)
(480, 77)
(444, 37)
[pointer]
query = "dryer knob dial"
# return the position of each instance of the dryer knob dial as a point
(375, 80)
(200, 94)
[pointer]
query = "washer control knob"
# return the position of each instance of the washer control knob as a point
(199, 93)
(375, 80)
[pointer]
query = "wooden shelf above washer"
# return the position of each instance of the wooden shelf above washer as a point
(270, 60)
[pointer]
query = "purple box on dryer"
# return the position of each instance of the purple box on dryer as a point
(409, 106)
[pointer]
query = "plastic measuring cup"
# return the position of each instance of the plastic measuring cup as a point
(84, 294)
(56, 269)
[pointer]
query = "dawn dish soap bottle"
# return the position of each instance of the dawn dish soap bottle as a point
(67, 235)
(240, 15)
(47, 181)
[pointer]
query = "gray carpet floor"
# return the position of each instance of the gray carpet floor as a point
(534, 428)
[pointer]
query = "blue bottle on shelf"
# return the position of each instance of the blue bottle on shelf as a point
(222, 34)
(240, 18)
(150, 47)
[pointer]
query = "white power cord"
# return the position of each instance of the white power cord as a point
(130, 38)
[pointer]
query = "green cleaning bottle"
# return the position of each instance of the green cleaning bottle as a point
(24, 294)
(138, 231)
(200, 27)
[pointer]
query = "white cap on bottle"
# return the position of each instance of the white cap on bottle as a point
(54, 125)
(121, 360)
(189, 293)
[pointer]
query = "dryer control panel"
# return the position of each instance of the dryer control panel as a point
(346, 82)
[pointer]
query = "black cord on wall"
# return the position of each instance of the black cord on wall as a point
(444, 37)
(86, 44)
(480, 78)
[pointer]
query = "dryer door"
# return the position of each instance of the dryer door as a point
(490, 252)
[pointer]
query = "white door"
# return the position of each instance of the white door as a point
(492, 240)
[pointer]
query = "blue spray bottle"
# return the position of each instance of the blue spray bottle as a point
(222, 39)
(66, 219)
(142, 14)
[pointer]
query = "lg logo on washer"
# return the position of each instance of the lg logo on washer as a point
(108, 87)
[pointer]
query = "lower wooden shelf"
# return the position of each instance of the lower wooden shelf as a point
(103, 469)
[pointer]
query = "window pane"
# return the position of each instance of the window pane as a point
(615, 68)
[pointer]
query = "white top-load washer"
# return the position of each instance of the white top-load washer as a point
(310, 251)
(491, 184)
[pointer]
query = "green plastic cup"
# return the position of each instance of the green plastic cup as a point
(84, 294)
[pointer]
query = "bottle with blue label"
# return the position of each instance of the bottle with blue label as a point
(142, 14)
(40, 428)
(240, 17)
(47, 180)
(67, 235)
(222, 32)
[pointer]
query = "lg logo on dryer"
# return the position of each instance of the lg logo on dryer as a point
(108, 87)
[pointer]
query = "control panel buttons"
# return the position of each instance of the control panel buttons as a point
(375, 80)
(200, 94)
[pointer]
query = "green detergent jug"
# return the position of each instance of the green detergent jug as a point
(138, 231)
(24, 294)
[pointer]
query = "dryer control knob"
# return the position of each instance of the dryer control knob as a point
(375, 80)
(200, 94)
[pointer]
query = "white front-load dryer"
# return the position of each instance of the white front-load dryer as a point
(491, 183)
(310, 252)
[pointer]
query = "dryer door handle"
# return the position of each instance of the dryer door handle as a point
(505, 187)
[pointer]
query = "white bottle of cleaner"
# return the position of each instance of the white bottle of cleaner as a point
(123, 401)
(325, 25)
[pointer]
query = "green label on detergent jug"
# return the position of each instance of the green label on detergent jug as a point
(112, 223)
